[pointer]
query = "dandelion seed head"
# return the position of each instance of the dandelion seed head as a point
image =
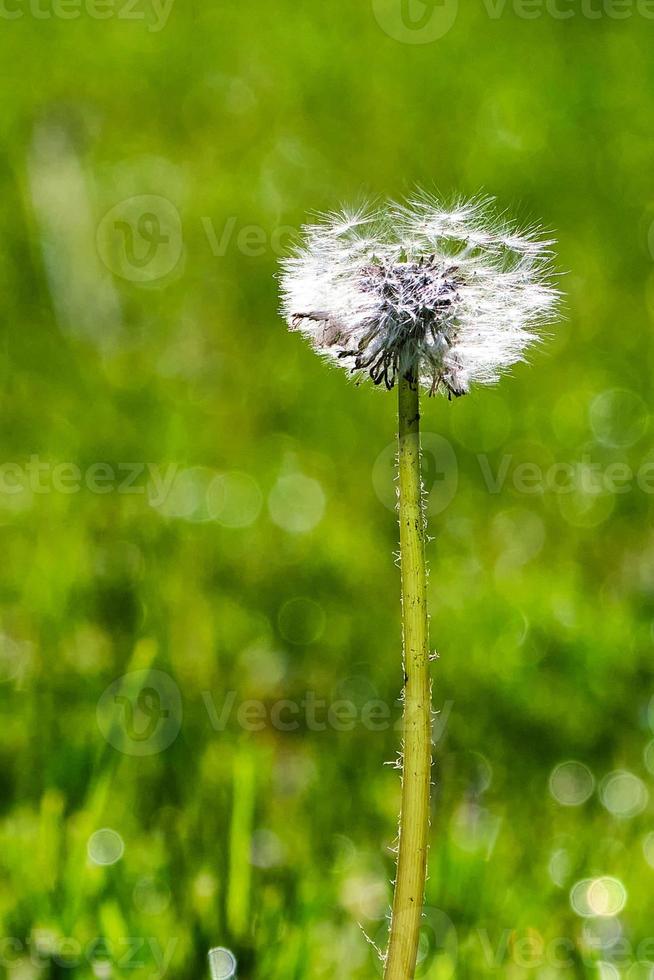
(447, 296)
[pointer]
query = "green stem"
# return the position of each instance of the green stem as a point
(416, 774)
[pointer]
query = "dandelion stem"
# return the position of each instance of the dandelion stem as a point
(416, 775)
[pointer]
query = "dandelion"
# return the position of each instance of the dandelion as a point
(418, 296)
(448, 297)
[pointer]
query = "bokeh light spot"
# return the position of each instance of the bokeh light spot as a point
(571, 783)
(521, 534)
(296, 503)
(151, 896)
(364, 895)
(618, 418)
(598, 897)
(649, 757)
(602, 933)
(648, 849)
(267, 850)
(607, 897)
(585, 510)
(560, 867)
(579, 898)
(234, 500)
(624, 794)
(607, 971)
(186, 499)
(14, 658)
(474, 829)
(222, 963)
(105, 847)
(301, 621)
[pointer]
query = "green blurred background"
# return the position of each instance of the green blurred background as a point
(152, 161)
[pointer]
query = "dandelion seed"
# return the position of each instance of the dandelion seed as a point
(448, 297)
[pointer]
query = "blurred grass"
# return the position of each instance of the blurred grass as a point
(276, 843)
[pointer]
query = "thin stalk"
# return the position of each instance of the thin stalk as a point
(416, 774)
